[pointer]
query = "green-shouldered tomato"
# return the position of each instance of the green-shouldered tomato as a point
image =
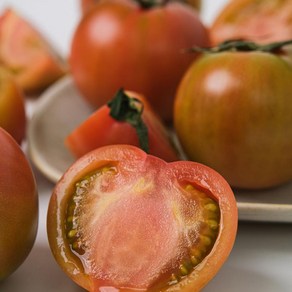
(233, 112)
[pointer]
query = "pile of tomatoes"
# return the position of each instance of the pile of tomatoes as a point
(182, 113)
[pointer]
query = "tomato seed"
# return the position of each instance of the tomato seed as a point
(207, 234)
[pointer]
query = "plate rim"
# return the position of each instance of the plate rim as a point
(49, 171)
(247, 211)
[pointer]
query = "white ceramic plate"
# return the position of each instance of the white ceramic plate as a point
(60, 109)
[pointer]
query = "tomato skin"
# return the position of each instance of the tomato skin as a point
(24, 51)
(12, 108)
(18, 206)
(101, 129)
(130, 161)
(134, 48)
(261, 21)
(233, 113)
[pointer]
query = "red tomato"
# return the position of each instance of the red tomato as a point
(262, 21)
(119, 44)
(122, 220)
(233, 113)
(25, 52)
(12, 108)
(102, 129)
(18, 206)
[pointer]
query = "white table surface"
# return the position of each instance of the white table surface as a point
(262, 256)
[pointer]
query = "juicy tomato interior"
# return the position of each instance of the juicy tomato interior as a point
(139, 232)
(262, 21)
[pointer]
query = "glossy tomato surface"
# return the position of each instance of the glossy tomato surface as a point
(261, 21)
(233, 113)
(34, 63)
(102, 129)
(120, 44)
(123, 220)
(18, 206)
(12, 108)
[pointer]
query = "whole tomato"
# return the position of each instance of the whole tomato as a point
(121, 44)
(12, 108)
(122, 220)
(34, 63)
(233, 112)
(262, 21)
(18, 206)
(126, 119)
(88, 4)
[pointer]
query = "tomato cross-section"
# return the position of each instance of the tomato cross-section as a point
(125, 220)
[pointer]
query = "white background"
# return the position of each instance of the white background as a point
(262, 256)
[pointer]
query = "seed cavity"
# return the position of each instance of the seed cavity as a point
(74, 206)
(206, 236)
(72, 233)
(200, 245)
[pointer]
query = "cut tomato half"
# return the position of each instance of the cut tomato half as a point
(121, 219)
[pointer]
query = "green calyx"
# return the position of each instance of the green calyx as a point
(128, 109)
(243, 46)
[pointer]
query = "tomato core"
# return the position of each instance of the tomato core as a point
(138, 234)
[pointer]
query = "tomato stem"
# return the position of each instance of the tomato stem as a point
(148, 4)
(129, 109)
(243, 46)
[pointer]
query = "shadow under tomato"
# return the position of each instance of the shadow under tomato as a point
(39, 273)
(260, 260)
(231, 279)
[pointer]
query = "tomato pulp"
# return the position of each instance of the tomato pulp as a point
(30, 58)
(262, 21)
(123, 220)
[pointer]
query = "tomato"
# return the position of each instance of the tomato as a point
(24, 51)
(104, 127)
(18, 206)
(122, 220)
(88, 4)
(262, 21)
(12, 108)
(119, 44)
(233, 113)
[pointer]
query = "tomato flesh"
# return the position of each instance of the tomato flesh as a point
(122, 220)
(24, 51)
(262, 21)
(118, 230)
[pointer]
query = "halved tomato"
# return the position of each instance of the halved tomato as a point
(127, 119)
(262, 21)
(122, 220)
(34, 63)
